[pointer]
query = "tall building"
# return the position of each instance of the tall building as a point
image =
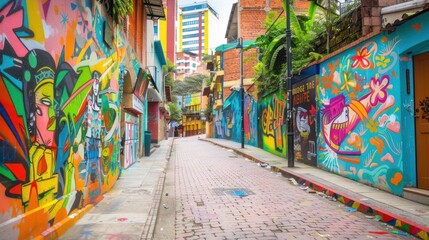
(165, 29)
(194, 31)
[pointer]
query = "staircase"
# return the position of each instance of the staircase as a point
(417, 195)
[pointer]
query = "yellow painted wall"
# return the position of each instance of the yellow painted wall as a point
(162, 25)
(180, 37)
(206, 32)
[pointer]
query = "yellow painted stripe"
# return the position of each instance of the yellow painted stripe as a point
(83, 51)
(206, 32)
(180, 33)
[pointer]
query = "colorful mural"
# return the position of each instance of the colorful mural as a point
(272, 123)
(228, 120)
(60, 87)
(359, 115)
(359, 97)
(304, 119)
(131, 139)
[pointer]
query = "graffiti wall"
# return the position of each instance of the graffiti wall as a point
(228, 120)
(304, 120)
(362, 97)
(272, 123)
(131, 139)
(60, 90)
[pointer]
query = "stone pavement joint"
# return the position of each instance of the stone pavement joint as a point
(415, 224)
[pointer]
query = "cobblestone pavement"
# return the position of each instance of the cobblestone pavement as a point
(221, 195)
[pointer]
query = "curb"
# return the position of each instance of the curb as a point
(386, 216)
(149, 227)
(58, 229)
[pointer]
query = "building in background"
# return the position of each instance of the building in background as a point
(165, 30)
(187, 63)
(194, 31)
(191, 115)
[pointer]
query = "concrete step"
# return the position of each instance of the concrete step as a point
(417, 195)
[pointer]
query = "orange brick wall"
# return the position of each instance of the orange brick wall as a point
(232, 64)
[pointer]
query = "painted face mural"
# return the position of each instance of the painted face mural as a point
(60, 92)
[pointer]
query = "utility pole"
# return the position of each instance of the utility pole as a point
(290, 153)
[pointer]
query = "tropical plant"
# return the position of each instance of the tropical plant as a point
(272, 46)
(166, 71)
(175, 112)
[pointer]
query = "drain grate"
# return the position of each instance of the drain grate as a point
(235, 192)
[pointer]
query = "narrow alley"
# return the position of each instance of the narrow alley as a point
(222, 195)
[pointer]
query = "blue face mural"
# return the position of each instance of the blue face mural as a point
(228, 120)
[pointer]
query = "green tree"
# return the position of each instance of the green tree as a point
(271, 69)
(175, 112)
(166, 71)
(189, 85)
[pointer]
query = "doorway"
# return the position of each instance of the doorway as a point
(421, 99)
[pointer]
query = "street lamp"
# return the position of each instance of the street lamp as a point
(240, 46)
(290, 153)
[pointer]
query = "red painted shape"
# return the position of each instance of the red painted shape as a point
(42, 166)
(417, 26)
(379, 232)
(17, 169)
(122, 219)
(17, 189)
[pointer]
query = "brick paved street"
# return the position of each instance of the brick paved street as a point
(211, 188)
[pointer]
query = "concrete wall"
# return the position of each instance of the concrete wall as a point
(61, 78)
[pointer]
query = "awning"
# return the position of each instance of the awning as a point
(155, 10)
(232, 45)
(153, 95)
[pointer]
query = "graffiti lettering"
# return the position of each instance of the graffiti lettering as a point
(11, 21)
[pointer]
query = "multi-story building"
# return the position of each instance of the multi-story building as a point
(194, 31)
(165, 30)
(191, 114)
(186, 64)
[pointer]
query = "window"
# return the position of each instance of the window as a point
(190, 16)
(192, 35)
(195, 7)
(191, 23)
(190, 29)
(190, 42)
(190, 49)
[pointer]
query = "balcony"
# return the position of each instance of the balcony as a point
(218, 103)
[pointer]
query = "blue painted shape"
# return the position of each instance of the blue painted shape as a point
(240, 193)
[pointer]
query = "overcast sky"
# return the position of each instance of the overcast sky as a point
(223, 8)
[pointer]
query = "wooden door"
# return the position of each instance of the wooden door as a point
(421, 89)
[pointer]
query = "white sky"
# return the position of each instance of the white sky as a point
(223, 8)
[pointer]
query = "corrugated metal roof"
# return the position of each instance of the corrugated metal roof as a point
(396, 14)
(155, 9)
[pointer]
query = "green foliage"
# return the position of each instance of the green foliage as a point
(119, 9)
(175, 112)
(272, 47)
(166, 70)
(189, 85)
